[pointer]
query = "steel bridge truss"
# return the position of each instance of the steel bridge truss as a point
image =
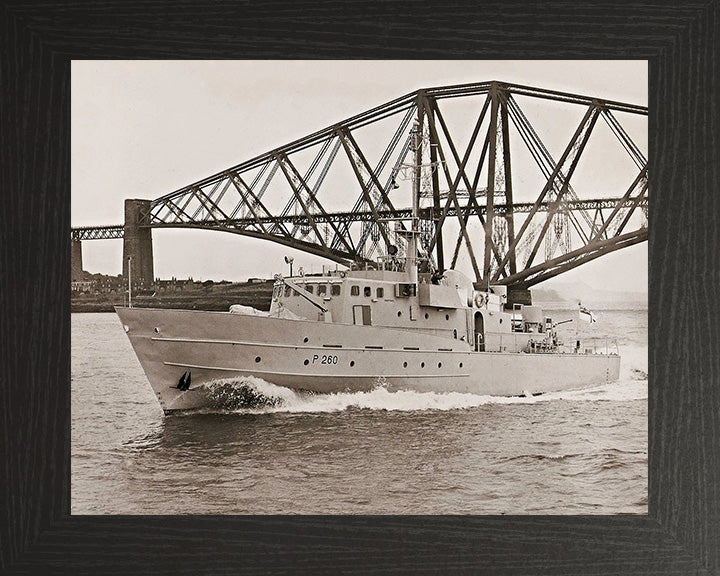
(338, 194)
(97, 233)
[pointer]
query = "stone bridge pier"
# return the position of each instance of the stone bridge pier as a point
(76, 269)
(137, 243)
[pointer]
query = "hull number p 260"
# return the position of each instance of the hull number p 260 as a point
(324, 359)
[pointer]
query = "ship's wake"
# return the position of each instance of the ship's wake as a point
(254, 395)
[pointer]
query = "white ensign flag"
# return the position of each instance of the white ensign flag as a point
(586, 315)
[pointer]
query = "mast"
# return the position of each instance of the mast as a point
(412, 264)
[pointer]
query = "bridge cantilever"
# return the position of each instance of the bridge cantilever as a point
(292, 195)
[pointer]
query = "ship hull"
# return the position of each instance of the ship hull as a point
(329, 358)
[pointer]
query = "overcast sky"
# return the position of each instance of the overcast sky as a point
(141, 129)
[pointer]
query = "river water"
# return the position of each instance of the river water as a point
(366, 453)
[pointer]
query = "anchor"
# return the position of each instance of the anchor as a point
(184, 382)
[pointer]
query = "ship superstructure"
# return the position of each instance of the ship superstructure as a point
(444, 306)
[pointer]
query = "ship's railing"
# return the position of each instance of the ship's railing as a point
(597, 345)
(394, 263)
(540, 343)
(389, 263)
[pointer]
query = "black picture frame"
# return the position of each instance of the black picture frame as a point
(681, 533)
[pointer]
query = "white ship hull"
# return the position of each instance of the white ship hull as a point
(332, 357)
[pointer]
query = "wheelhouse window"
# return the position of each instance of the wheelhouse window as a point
(309, 288)
(287, 291)
(380, 292)
(367, 291)
(354, 290)
(322, 289)
(336, 289)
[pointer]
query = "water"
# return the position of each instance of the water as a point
(365, 453)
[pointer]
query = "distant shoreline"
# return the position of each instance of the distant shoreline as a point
(216, 298)
(609, 305)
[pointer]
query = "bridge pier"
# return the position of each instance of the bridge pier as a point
(76, 265)
(137, 243)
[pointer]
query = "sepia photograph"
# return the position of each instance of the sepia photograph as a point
(359, 287)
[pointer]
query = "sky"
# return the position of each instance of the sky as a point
(141, 129)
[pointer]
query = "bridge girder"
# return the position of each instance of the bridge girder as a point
(96, 233)
(509, 232)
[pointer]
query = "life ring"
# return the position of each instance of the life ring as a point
(479, 300)
(342, 273)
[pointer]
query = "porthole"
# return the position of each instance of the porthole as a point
(422, 364)
(427, 315)
(305, 339)
(399, 313)
(447, 316)
(306, 362)
(460, 364)
(439, 364)
(352, 363)
(257, 358)
(157, 330)
(404, 364)
(500, 320)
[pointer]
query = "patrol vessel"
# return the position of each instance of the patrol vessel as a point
(348, 330)
(396, 322)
